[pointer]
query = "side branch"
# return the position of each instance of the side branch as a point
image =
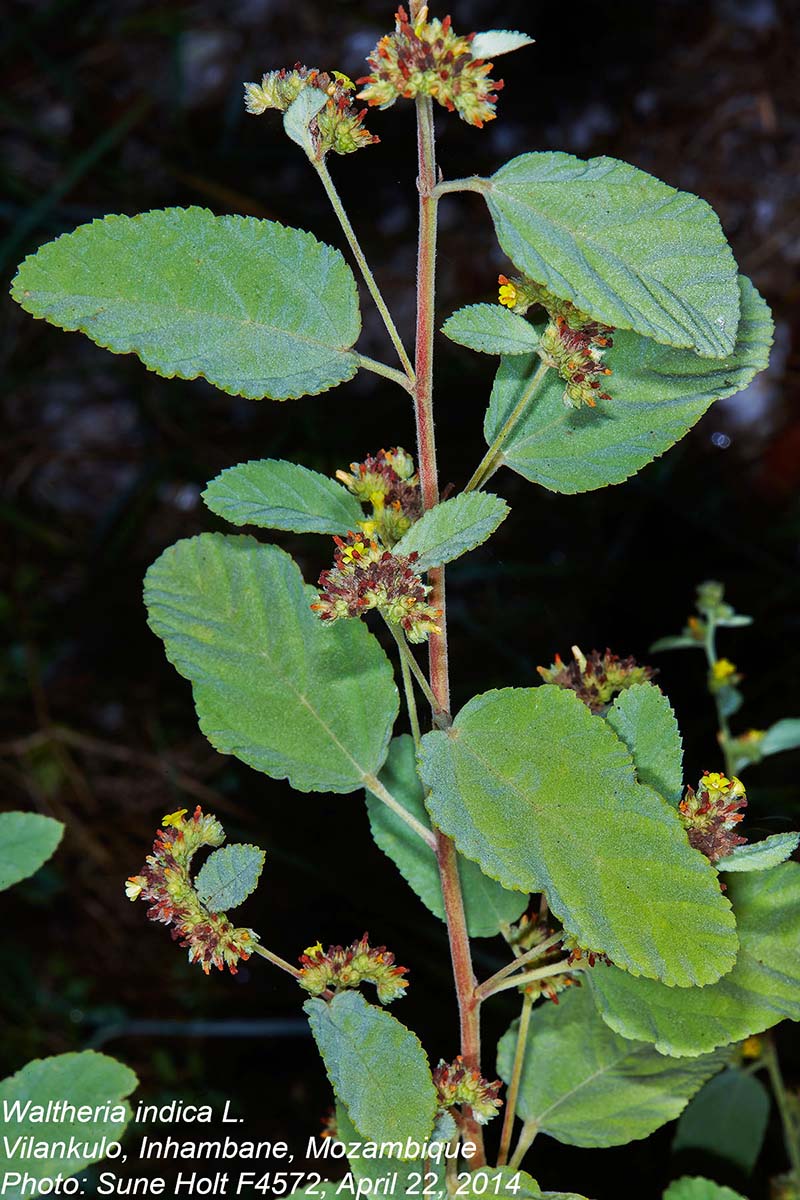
(374, 785)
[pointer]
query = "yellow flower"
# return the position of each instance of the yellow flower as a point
(723, 669)
(508, 293)
(751, 1047)
(313, 951)
(175, 818)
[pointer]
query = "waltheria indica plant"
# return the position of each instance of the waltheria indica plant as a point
(646, 941)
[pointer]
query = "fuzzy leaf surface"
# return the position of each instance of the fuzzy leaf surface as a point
(275, 494)
(624, 247)
(762, 989)
(658, 394)
(727, 1118)
(760, 856)
(586, 1086)
(692, 1187)
(229, 876)
(453, 528)
(272, 684)
(27, 840)
(544, 797)
(255, 307)
(487, 905)
(379, 1169)
(643, 719)
(491, 329)
(85, 1078)
(783, 735)
(378, 1068)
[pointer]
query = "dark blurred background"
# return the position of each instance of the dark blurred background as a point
(129, 106)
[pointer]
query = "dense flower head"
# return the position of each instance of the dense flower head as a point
(429, 59)
(711, 814)
(348, 966)
(338, 126)
(456, 1083)
(365, 577)
(166, 883)
(596, 678)
(723, 674)
(388, 483)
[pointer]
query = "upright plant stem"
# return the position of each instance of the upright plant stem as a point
(493, 457)
(358, 254)
(447, 859)
(722, 720)
(516, 1076)
(791, 1134)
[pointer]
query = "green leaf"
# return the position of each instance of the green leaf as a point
(274, 494)
(300, 114)
(730, 700)
(273, 685)
(378, 1068)
(679, 642)
(377, 1170)
(759, 856)
(502, 1181)
(491, 329)
(543, 796)
(27, 840)
(229, 876)
(495, 42)
(695, 1188)
(762, 989)
(254, 307)
(783, 735)
(642, 718)
(87, 1078)
(585, 1086)
(487, 905)
(452, 528)
(727, 1118)
(658, 394)
(624, 247)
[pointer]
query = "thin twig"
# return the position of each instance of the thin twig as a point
(564, 967)
(379, 368)
(493, 458)
(408, 658)
(374, 785)
(487, 987)
(516, 1077)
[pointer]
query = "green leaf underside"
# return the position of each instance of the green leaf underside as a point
(624, 247)
(727, 1118)
(760, 856)
(27, 840)
(86, 1078)
(377, 1067)
(255, 307)
(275, 494)
(491, 329)
(783, 735)
(695, 1188)
(642, 718)
(273, 685)
(543, 795)
(229, 876)
(586, 1086)
(452, 528)
(487, 905)
(658, 394)
(762, 989)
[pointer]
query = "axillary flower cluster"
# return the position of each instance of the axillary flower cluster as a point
(598, 678)
(166, 883)
(338, 126)
(711, 814)
(348, 966)
(572, 343)
(458, 1084)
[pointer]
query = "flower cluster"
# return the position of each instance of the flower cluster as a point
(347, 967)
(388, 483)
(429, 59)
(572, 343)
(338, 126)
(165, 882)
(456, 1083)
(596, 679)
(711, 814)
(723, 674)
(365, 576)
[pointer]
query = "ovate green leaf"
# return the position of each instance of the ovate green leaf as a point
(762, 989)
(487, 905)
(86, 1078)
(585, 1086)
(379, 1170)
(378, 1068)
(452, 528)
(491, 329)
(273, 685)
(727, 1119)
(642, 718)
(544, 797)
(624, 247)
(228, 876)
(759, 856)
(783, 735)
(274, 494)
(658, 394)
(27, 840)
(254, 307)
(694, 1188)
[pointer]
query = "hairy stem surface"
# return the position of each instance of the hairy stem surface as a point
(516, 1076)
